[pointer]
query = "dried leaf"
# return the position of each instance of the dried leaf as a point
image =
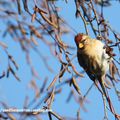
(112, 69)
(23, 31)
(34, 31)
(34, 41)
(26, 101)
(53, 82)
(52, 99)
(3, 44)
(69, 96)
(62, 71)
(42, 12)
(34, 72)
(14, 74)
(8, 72)
(49, 100)
(76, 86)
(11, 116)
(61, 43)
(13, 61)
(44, 84)
(77, 73)
(36, 89)
(73, 67)
(33, 17)
(19, 7)
(10, 12)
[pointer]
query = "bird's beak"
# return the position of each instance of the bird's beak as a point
(81, 45)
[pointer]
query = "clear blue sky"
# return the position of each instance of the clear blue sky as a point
(14, 92)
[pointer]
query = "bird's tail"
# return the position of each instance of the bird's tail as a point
(101, 81)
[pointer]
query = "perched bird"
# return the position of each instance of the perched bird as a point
(92, 56)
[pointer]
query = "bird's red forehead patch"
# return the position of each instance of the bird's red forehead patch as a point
(78, 38)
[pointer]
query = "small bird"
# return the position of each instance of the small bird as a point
(92, 57)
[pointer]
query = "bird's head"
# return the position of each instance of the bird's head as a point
(81, 40)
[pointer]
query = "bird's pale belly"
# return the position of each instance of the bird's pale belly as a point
(97, 66)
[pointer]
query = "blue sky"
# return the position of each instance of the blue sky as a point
(14, 92)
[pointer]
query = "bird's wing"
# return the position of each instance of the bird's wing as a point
(99, 47)
(82, 60)
(85, 64)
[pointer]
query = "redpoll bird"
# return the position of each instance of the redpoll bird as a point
(92, 56)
